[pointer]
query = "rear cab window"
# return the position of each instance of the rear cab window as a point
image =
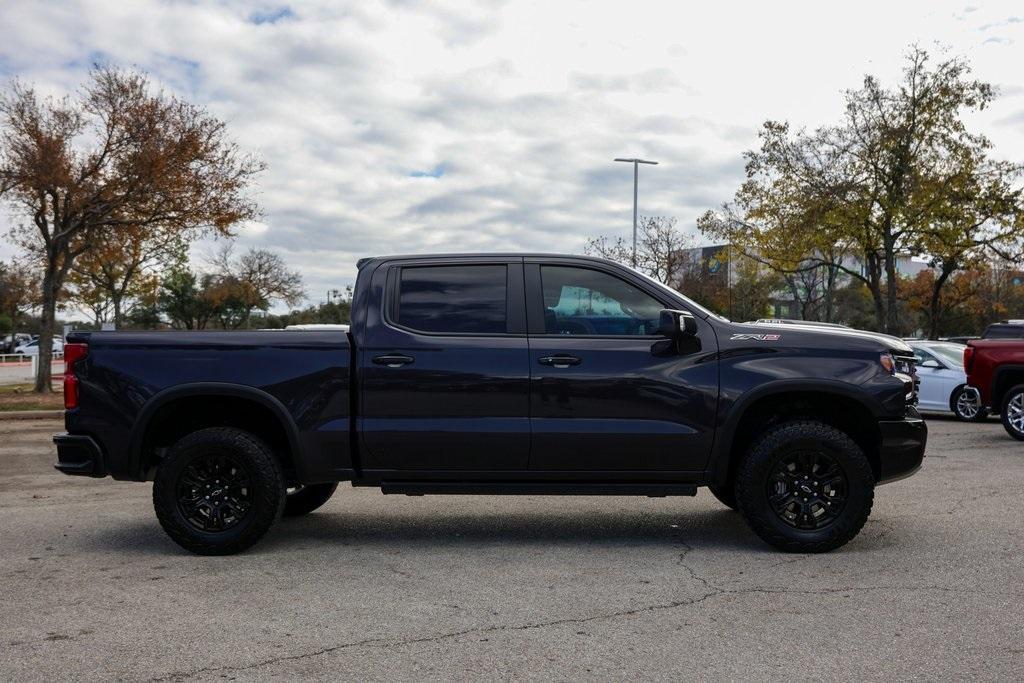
(455, 299)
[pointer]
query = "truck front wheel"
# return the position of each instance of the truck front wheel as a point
(305, 499)
(805, 487)
(218, 491)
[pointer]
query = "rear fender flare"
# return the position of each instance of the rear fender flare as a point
(196, 389)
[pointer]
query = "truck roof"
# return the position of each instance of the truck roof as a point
(486, 255)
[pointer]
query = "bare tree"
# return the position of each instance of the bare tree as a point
(258, 278)
(660, 252)
(115, 156)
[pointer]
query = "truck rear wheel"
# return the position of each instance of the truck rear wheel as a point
(805, 487)
(1013, 412)
(305, 499)
(218, 491)
(726, 495)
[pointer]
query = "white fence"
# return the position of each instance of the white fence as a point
(16, 368)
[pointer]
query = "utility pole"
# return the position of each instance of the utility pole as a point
(636, 178)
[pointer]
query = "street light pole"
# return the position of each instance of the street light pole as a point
(636, 179)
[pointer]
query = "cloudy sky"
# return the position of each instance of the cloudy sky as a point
(402, 126)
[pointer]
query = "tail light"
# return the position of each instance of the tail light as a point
(72, 354)
(968, 358)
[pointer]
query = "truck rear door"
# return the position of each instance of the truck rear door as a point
(444, 368)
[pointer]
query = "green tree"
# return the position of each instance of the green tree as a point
(753, 289)
(180, 300)
(869, 187)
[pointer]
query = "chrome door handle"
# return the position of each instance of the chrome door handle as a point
(393, 360)
(560, 361)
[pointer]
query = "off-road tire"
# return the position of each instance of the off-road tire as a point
(1014, 393)
(726, 495)
(752, 481)
(954, 405)
(265, 477)
(305, 499)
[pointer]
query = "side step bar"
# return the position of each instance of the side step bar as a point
(543, 488)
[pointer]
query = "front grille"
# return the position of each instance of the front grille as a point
(905, 365)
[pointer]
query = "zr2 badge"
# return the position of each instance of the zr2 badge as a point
(755, 337)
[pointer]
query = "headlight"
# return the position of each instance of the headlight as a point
(888, 362)
(897, 364)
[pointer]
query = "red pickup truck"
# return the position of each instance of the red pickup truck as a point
(995, 375)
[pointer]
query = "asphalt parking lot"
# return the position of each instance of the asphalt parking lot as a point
(376, 587)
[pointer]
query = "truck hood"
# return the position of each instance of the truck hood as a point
(796, 335)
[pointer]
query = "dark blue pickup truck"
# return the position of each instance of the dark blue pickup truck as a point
(498, 374)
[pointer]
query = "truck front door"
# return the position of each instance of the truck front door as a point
(444, 370)
(608, 393)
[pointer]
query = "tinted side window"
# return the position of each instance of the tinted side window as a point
(580, 301)
(1003, 332)
(466, 299)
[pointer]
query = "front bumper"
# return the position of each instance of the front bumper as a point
(902, 449)
(79, 455)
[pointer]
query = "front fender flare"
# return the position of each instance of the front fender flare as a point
(725, 436)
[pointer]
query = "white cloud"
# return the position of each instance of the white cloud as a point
(401, 126)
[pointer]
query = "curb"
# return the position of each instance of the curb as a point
(30, 414)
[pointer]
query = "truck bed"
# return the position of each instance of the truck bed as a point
(302, 377)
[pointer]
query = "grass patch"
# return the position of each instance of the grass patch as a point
(21, 397)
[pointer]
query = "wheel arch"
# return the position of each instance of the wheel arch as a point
(1005, 378)
(281, 432)
(837, 404)
(952, 395)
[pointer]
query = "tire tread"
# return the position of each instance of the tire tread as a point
(267, 478)
(749, 485)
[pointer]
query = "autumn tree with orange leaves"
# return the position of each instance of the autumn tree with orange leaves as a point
(120, 155)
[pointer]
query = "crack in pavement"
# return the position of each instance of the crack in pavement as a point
(387, 643)
(713, 591)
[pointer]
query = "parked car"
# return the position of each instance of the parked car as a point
(498, 374)
(1006, 329)
(943, 381)
(31, 348)
(995, 373)
(958, 340)
(13, 341)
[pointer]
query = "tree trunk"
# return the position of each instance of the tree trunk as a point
(830, 284)
(44, 380)
(892, 317)
(935, 305)
(116, 301)
(873, 279)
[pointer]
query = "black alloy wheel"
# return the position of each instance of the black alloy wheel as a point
(807, 489)
(214, 492)
(805, 486)
(218, 490)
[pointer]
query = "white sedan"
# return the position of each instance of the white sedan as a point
(940, 367)
(32, 348)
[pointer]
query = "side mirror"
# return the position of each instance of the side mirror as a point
(931, 363)
(676, 324)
